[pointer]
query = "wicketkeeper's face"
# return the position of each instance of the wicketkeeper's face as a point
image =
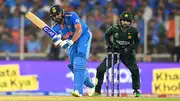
(125, 23)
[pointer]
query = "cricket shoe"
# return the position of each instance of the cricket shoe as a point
(92, 90)
(76, 93)
(96, 94)
(137, 93)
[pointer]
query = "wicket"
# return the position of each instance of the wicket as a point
(111, 56)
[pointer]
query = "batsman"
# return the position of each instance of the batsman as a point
(123, 39)
(76, 39)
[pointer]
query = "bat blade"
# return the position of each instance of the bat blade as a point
(39, 23)
(35, 20)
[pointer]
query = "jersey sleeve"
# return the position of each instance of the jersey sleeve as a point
(108, 34)
(75, 18)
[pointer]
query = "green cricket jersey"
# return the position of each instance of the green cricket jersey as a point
(122, 39)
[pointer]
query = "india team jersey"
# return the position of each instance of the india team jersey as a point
(70, 20)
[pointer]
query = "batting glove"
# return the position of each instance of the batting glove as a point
(56, 40)
(66, 44)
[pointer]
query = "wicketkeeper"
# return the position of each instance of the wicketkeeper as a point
(125, 41)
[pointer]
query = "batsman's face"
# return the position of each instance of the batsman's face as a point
(58, 18)
(125, 23)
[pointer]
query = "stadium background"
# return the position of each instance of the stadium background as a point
(158, 22)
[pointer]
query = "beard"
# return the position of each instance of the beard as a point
(125, 24)
(59, 20)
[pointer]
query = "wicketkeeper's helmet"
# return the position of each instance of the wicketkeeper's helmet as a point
(126, 19)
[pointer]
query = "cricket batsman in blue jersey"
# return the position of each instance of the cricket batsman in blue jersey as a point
(76, 38)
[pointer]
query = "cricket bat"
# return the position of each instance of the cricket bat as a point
(39, 23)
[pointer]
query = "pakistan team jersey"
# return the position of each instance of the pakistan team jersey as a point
(122, 39)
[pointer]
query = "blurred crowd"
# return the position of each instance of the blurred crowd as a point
(97, 14)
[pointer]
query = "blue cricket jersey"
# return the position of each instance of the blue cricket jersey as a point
(70, 20)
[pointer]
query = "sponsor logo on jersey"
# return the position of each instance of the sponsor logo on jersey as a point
(68, 15)
(77, 20)
(123, 42)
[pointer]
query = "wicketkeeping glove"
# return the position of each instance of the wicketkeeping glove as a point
(111, 49)
(127, 50)
(66, 44)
